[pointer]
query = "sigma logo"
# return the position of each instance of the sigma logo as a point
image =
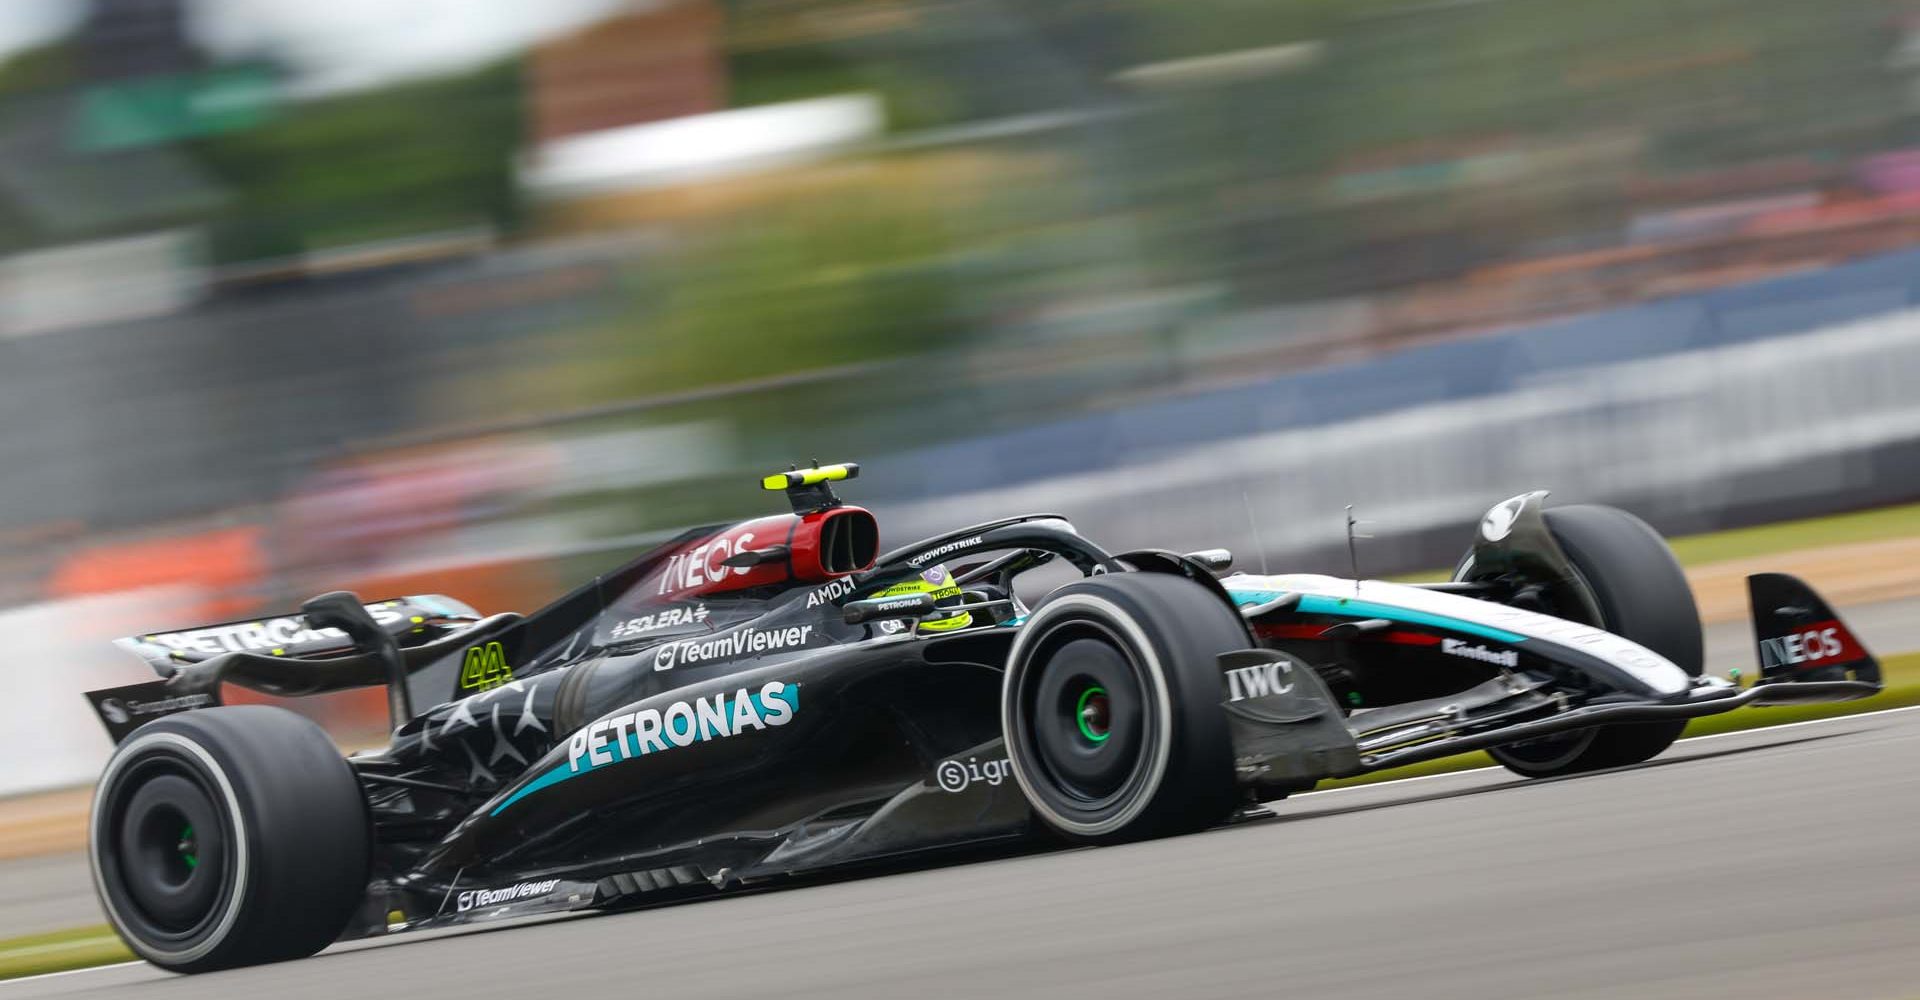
(1474, 651)
(957, 776)
(830, 593)
(1259, 680)
(931, 554)
(271, 633)
(482, 898)
(705, 563)
(114, 712)
(1821, 642)
(681, 724)
(1499, 521)
(658, 621)
(747, 641)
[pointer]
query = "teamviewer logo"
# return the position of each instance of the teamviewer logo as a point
(466, 901)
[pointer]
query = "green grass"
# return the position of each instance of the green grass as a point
(1901, 674)
(78, 948)
(1840, 529)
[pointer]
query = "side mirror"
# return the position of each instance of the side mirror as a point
(1213, 559)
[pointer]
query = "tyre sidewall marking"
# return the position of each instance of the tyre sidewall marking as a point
(235, 821)
(1144, 654)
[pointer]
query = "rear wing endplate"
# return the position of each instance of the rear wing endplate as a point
(125, 709)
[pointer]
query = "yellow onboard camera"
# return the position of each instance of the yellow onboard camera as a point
(811, 477)
(811, 489)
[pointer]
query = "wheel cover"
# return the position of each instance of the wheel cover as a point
(1088, 734)
(1092, 781)
(163, 800)
(169, 873)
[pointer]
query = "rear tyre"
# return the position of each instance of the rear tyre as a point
(1111, 708)
(228, 837)
(1644, 596)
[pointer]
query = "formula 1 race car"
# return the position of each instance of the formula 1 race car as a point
(756, 702)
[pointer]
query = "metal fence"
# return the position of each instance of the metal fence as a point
(1742, 432)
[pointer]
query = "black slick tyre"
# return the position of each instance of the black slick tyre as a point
(228, 837)
(1643, 595)
(1112, 708)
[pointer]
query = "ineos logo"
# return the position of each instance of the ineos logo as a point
(1820, 642)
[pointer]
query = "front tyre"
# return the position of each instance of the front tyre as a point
(1112, 707)
(227, 837)
(1643, 595)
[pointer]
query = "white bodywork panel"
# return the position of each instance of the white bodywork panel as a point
(1375, 598)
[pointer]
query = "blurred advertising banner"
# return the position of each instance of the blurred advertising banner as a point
(106, 281)
(55, 651)
(161, 109)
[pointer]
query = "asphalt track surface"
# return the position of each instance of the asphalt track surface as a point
(1771, 863)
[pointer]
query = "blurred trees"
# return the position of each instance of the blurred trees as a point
(402, 160)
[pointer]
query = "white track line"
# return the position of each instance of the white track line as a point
(1691, 739)
(4, 983)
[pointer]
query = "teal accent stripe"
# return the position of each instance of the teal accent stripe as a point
(559, 773)
(630, 748)
(1348, 607)
(1250, 598)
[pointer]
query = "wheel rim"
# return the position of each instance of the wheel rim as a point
(165, 855)
(1084, 707)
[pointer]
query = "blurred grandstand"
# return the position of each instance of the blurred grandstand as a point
(273, 321)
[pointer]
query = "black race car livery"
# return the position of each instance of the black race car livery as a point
(761, 702)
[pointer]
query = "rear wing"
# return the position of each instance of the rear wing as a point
(409, 620)
(291, 655)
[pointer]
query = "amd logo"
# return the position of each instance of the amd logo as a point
(1259, 680)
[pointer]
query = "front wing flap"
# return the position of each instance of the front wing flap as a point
(1287, 730)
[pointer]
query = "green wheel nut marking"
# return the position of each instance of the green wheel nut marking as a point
(1083, 716)
(186, 848)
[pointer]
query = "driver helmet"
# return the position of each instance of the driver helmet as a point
(939, 582)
